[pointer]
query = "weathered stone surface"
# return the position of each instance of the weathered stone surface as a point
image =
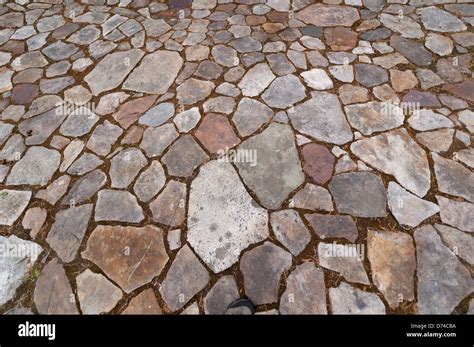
(453, 178)
(404, 25)
(110, 72)
(456, 213)
(262, 268)
(66, 234)
(361, 194)
(346, 299)
(96, 293)
(185, 278)
(53, 293)
(412, 50)
(305, 291)
(332, 226)
(321, 117)
(125, 166)
(103, 138)
(460, 243)
(442, 280)
(143, 303)
(219, 203)
(312, 197)
(318, 163)
(131, 111)
(344, 259)
(155, 140)
(165, 66)
(374, 117)
(117, 205)
(157, 115)
(35, 168)
(284, 92)
(150, 182)
(397, 154)
(221, 295)
(216, 133)
(276, 171)
(169, 207)
(12, 205)
(55, 190)
(436, 19)
(184, 156)
(34, 220)
(250, 116)
(194, 90)
(15, 264)
(392, 260)
(133, 256)
(328, 15)
(256, 80)
(408, 209)
(290, 230)
(370, 75)
(37, 129)
(79, 122)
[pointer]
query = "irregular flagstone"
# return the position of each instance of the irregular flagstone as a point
(361, 194)
(184, 156)
(60, 50)
(12, 205)
(404, 25)
(86, 163)
(276, 169)
(408, 209)
(55, 190)
(216, 133)
(133, 256)
(185, 278)
(374, 116)
(284, 92)
(328, 15)
(66, 234)
(53, 293)
(333, 226)
(110, 72)
(256, 80)
(150, 182)
(165, 66)
(79, 122)
(317, 79)
(453, 178)
(85, 188)
(221, 295)
(194, 90)
(346, 299)
(456, 213)
(425, 119)
(392, 260)
(125, 166)
(34, 220)
(103, 137)
(96, 293)
(250, 116)
(436, 19)
(290, 230)
(412, 50)
(131, 111)
(15, 264)
(436, 141)
(35, 168)
(463, 90)
(157, 115)
(442, 280)
(321, 117)
(143, 303)
(397, 154)
(169, 207)
(155, 140)
(219, 203)
(37, 129)
(318, 162)
(459, 242)
(305, 291)
(344, 259)
(117, 205)
(262, 268)
(312, 197)
(370, 75)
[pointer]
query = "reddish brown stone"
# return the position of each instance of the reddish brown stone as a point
(318, 162)
(132, 110)
(277, 17)
(464, 89)
(340, 39)
(216, 133)
(24, 93)
(226, 7)
(143, 303)
(133, 135)
(255, 20)
(273, 27)
(14, 47)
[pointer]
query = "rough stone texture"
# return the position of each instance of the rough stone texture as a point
(442, 280)
(456, 213)
(133, 256)
(318, 163)
(228, 211)
(328, 15)
(262, 268)
(361, 194)
(185, 278)
(124, 167)
(328, 226)
(453, 178)
(221, 295)
(35, 168)
(12, 205)
(184, 156)
(346, 299)
(169, 206)
(277, 170)
(290, 230)
(392, 260)
(116, 205)
(143, 303)
(305, 292)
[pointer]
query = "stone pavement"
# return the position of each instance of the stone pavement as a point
(173, 156)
